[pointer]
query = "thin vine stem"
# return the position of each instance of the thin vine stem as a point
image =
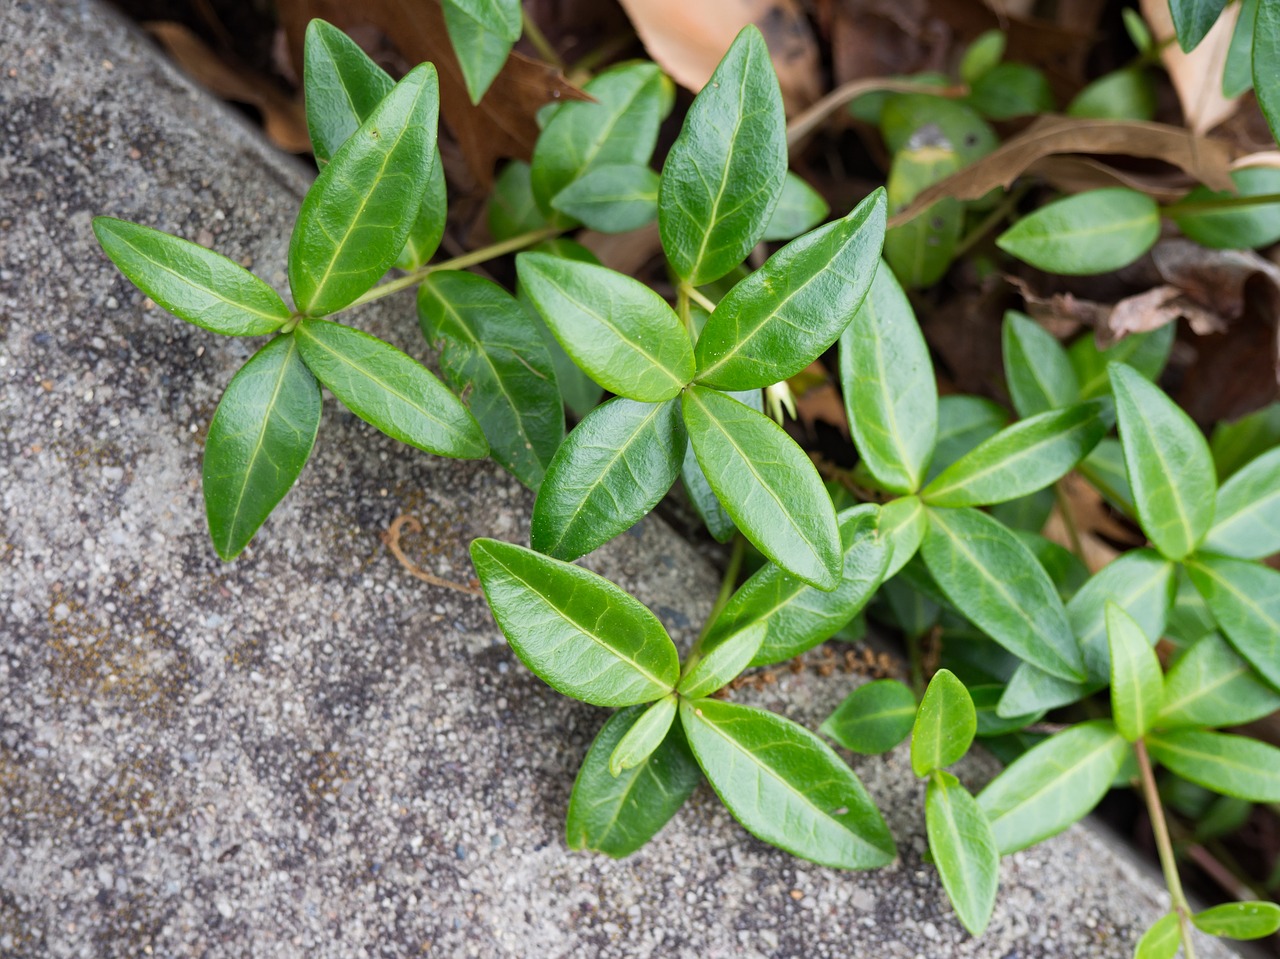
(539, 40)
(1220, 203)
(727, 584)
(1164, 845)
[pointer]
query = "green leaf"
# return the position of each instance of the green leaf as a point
(1032, 690)
(1169, 464)
(192, 283)
(1137, 684)
(767, 485)
(1140, 582)
(1105, 470)
(1237, 74)
(783, 316)
(1192, 19)
(963, 423)
(1244, 598)
(497, 16)
(890, 393)
(1162, 940)
(719, 659)
(921, 250)
(1037, 368)
(981, 56)
(944, 726)
(903, 522)
(645, 736)
(611, 199)
(489, 345)
(428, 227)
(575, 630)
(389, 390)
(1189, 619)
(619, 127)
(724, 173)
(986, 700)
(610, 471)
(1025, 457)
(701, 495)
(873, 718)
(964, 850)
(357, 215)
(1241, 441)
(1266, 54)
(995, 581)
(618, 330)
(786, 786)
(481, 50)
(617, 815)
(800, 208)
(1145, 352)
(1011, 90)
(1231, 765)
(259, 440)
(1209, 685)
(343, 87)
(1125, 94)
(797, 615)
(1053, 785)
(1094, 232)
(953, 125)
(1234, 228)
(1239, 920)
(512, 209)
(1137, 29)
(1246, 521)
(1029, 514)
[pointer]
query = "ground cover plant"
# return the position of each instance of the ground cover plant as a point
(937, 528)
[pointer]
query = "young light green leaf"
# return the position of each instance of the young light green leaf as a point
(1053, 785)
(963, 423)
(1234, 228)
(889, 390)
(1244, 598)
(1169, 464)
(512, 209)
(389, 390)
(1025, 457)
(1094, 232)
(1239, 920)
(489, 345)
(1189, 618)
(1105, 470)
(986, 700)
(1239, 442)
(645, 735)
(192, 283)
(1031, 690)
(783, 316)
(903, 522)
(921, 250)
(616, 815)
(1246, 521)
(1161, 940)
(800, 208)
(1145, 352)
(944, 726)
(724, 173)
(610, 471)
(1210, 685)
(873, 718)
(1192, 19)
(1142, 583)
(960, 127)
(480, 48)
(981, 56)
(766, 484)
(1266, 54)
(1011, 90)
(575, 630)
(613, 198)
(1231, 765)
(964, 850)
(1125, 94)
(259, 440)
(343, 87)
(1137, 684)
(997, 584)
(497, 16)
(618, 330)
(1237, 74)
(719, 659)
(1036, 367)
(357, 215)
(786, 786)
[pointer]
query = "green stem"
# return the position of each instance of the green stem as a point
(539, 40)
(698, 297)
(727, 584)
(1220, 203)
(683, 311)
(1164, 845)
(989, 222)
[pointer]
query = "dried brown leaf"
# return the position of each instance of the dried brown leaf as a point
(1196, 76)
(1153, 309)
(1214, 278)
(1074, 174)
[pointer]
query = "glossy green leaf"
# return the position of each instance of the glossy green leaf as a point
(481, 49)
(921, 250)
(1029, 514)
(784, 315)
(786, 786)
(1240, 920)
(1031, 689)
(357, 215)
(890, 393)
(997, 584)
(767, 485)
(1011, 90)
(1210, 685)
(1025, 457)
(575, 630)
(192, 283)
(1094, 232)
(1053, 785)
(617, 815)
(617, 329)
(1105, 470)
(1142, 583)
(964, 850)
(986, 50)
(1066, 570)
(903, 522)
(1244, 598)
(1237, 73)
(428, 226)
(490, 346)
(986, 700)
(800, 208)
(1145, 352)
(1266, 54)
(259, 440)
(389, 390)
(724, 173)
(644, 736)
(797, 615)
(1241, 441)
(944, 726)
(1170, 468)
(1137, 683)
(609, 472)
(1239, 227)
(963, 423)
(1125, 94)
(873, 718)
(1189, 618)
(1231, 765)
(497, 16)
(1161, 940)
(1036, 367)
(611, 199)
(701, 495)
(343, 87)
(1246, 520)
(1192, 19)
(512, 209)
(718, 660)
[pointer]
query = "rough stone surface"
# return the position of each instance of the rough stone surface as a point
(308, 752)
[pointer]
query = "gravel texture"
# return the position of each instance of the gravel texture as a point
(308, 752)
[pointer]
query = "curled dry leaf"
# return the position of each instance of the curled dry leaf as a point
(1196, 76)
(1074, 174)
(1214, 278)
(1153, 309)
